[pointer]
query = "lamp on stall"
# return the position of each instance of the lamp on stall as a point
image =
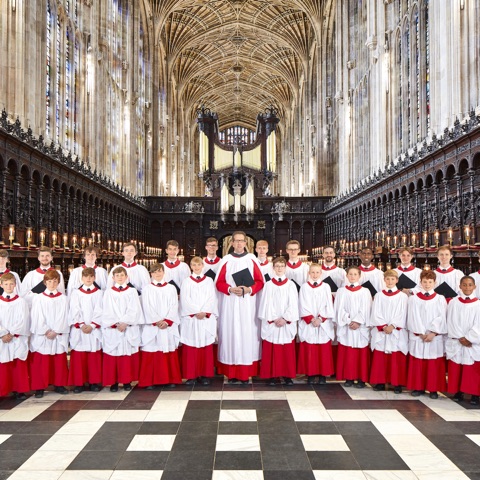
(109, 245)
(29, 236)
(65, 241)
(83, 242)
(437, 238)
(74, 241)
(11, 234)
(467, 234)
(450, 236)
(54, 239)
(42, 237)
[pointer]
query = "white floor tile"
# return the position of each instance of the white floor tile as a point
(313, 415)
(238, 415)
(87, 475)
(137, 474)
(236, 395)
(473, 438)
(419, 461)
(128, 416)
(266, 395)
(106, 394)
(91, 416)
(80, 428)
(170, 395)
(338, 475)
(436, 474)
(408, 443)
(238, 443)
(37, 475)
(324, 443)
(384, 416)
(348, 416)
(4, 437)
(173, 405)
(151, 443)
(389, 475)
(237, 475)
(63, 443)
(396, 428)
(49, 460)
(206, 396)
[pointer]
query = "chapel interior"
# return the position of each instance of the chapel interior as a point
(333, 122)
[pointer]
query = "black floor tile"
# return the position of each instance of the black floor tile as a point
(237, 428)
(190, 460)
(106, 442)
(238, 461)
(272, 406)
(4, 474)
(204, 404)
(198, 428)
(201, 415)
(187, 475)
(285, 460)
(468, 428)
(96, 460)
(195, 442)
(317, 428)
(143, 461)
(333, 461)
(356, 428)
(280, 443)
(288, 475)
(26, 442)
(468, 460)
(119, 428)
(68, 405)
(159, 428)
(428, 427)
(447, 443)
(287, 427)
(8, 428)
(274, 416)
(239, 404)
(41, 428)
(473, 475)
(12, 459)
(55, 416)
(102, 405)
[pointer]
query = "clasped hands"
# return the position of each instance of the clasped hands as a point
(240, 291)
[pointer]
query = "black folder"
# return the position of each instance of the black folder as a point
(267, 277)
(210, 273)
(1, 290)
(171, 282)
(243, 278)
(296, 284)
(39, 288)
(446, 290)
(405, 282)
(371, 288)
(131, 285)
(329, 281)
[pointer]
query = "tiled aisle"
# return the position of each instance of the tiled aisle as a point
(228, 432)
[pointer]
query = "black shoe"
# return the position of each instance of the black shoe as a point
(20, 396)
(204, 380)
(360, 384)
(288, 381)
(379, 387)
(397, 389)
(114, 387)
(39, 393)
(458, 397)
(417, 393)
(474, 400)
(232, 380)
(244, 382)
(322, 380)
(61, 390)
(348, 383)
(311, 379)
(150, 387)
(271, 382)
(127, 387)
(78, 389)
(96, 387)
(169, 385)
(190, 381)
(434, 395)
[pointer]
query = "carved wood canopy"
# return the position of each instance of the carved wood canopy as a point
(236, 56)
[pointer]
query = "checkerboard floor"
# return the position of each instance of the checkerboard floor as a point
(239, 432)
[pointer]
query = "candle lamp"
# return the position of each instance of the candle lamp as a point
(467, 234)
(425, 239)
(114, 245)
(426, 266)
(29, 236)
(54, 239)
(414, 240)
(71, 267)
(377, 237)
(11, 234)
(450, 236)
(120, 246)
(42, 237)
(90, 242)
(109, 245)
(65, 241)
(383, 238)
(99, 240)
(83, 242)
(404, 240)
(437, 238)
(74, 241)
(395, 239)
(389, 238)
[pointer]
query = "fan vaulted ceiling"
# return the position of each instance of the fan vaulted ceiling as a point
(236, 57)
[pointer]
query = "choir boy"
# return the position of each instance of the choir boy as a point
(14, 333)
(352, 311)
(4, 269)
(175, 270)
(330, 270)
(198, 325)
(445, 272)
(427, 326)
(211, 261)
(476, 279)
(49, 337)
(239, 280)
(463, 343)
(33, 283)
(159, 363)
(265, 266)
(101, 277)
(121, 320)
(138, 275)
(389, 341)
(85, 319)
(409, 271)
(315, 328)
(279, 316)
(296, 269)
(371, 275)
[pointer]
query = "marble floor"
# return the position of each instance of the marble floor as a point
(239, 432)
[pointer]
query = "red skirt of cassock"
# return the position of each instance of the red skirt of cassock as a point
(159, 368)
(122, 369)
(353, 363)
(85, 367)
(388, 368)
(315, 359)
(278, 360)
(197, 362)
(14, 377)
(48, 370)
(464, 378)
(240, 372)
(426, 374)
